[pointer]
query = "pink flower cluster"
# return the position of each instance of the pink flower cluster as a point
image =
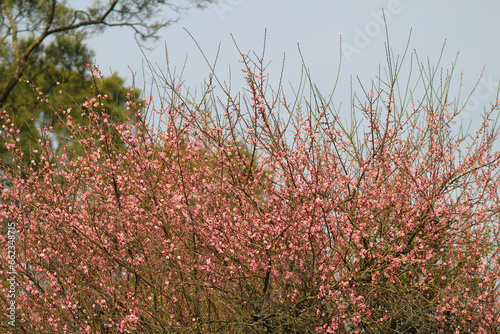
(200, 228)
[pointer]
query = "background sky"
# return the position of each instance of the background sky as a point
(470, 29)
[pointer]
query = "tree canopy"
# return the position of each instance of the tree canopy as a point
(43, 53)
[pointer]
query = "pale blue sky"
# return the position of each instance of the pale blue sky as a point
(470, 28)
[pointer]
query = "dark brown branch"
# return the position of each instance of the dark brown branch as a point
(97, 21)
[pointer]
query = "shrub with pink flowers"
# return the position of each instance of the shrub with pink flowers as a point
(250, 214)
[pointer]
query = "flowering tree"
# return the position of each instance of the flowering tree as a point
(233, 218)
